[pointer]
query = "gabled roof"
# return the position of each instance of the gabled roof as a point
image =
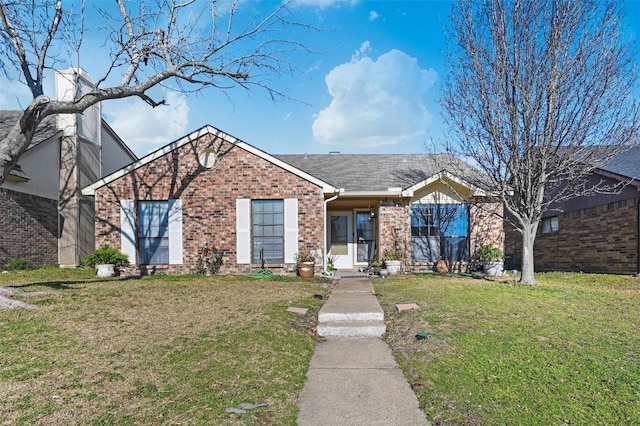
(626, 164)
(90, 190)
(46, 130)
(384, 174)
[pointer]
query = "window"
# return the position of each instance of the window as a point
(267, 219)
(153, 232)
(550, 224)
(439, 231)
(422, 224)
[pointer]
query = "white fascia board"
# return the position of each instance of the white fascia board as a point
(91, 189)
(476, 192)
(356, 194)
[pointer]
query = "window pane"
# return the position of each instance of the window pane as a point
(268, 230)
(153, 236)
(439, 231)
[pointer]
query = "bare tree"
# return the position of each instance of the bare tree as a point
(538, 95)
(148, 43)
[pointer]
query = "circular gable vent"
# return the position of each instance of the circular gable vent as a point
(208, 158)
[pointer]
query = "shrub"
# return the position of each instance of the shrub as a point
(391, 255)
(209, 260)
(107, 255)
(18, 264)
(491, 253)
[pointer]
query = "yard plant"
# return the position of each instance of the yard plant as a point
(158, 350)
(564, 352)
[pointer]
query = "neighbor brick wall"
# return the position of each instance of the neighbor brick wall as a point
(30, 225)
(209, 200)
(598, 239)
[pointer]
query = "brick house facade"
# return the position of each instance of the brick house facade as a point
(33, 221)
(599, 233)
(318, 201)
(44, 219)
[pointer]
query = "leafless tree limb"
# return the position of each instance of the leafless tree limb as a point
(148, 44)
(539, 94)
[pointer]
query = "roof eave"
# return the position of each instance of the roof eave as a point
(91, 189)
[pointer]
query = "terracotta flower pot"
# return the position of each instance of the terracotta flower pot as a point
(306, 269)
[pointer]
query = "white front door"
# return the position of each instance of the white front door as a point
(340, 238)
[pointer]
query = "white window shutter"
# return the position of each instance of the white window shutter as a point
(243, 231)
(175, 232)
(290, 229)
(128, 229)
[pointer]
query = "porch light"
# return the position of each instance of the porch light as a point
(372, 213)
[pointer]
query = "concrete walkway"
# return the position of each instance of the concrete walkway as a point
(353, 378)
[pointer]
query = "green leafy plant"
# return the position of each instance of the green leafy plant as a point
(390, 254)
(105, 256)
(18, 264)
(331, 262)
(490, 253)
(209, 260)
(377, 263)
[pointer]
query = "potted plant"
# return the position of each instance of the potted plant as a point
(105, 260)
(377, 266)
(492, 260)
(305, 262)
(331, 264)
(392, 261)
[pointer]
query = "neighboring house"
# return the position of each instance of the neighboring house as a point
(598, 233)
(209, 189)
(44, 219)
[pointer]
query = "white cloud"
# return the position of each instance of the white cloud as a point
(375, 101)
(373, 15)
(144, 128)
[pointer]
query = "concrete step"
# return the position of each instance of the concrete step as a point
(355, 329)
(328, 316)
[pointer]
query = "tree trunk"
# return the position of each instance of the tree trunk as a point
(528, 238)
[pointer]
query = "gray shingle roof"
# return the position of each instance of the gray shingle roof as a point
(377, 172)
(626, 164)
(46, 129)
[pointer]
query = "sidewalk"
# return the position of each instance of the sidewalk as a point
(354, 380)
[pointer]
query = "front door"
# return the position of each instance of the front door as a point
(365, 230)
(340, 240)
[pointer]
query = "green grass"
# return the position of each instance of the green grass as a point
(159, 350)
(565, 350)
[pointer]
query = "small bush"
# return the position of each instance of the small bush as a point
(106, 255)
(18, 264)
(209, 260)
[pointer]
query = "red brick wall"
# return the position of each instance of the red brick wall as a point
(209, 200)
(598, 239)
(485, 226)
(29, 228)
(394, 221)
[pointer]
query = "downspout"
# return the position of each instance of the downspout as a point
(324, 236)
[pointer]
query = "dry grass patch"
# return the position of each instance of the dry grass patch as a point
(157, 351)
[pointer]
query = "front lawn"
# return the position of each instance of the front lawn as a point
(160, 350)
(566, 351)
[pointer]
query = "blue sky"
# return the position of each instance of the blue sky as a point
(371, 85)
